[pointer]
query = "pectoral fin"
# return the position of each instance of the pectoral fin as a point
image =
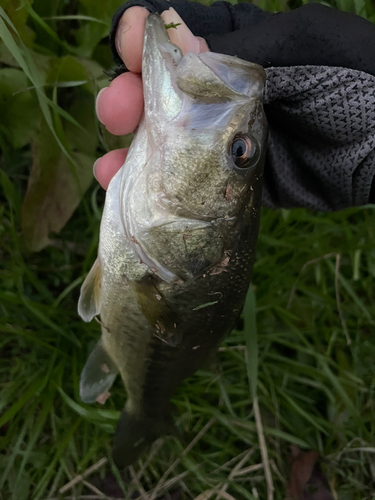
(98, 374)
(89, 300)
(157, 312)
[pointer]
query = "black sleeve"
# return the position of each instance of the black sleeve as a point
(319, 98)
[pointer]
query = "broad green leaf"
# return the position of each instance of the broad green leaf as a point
(6, 57)
(90, 34)
(70, 70)
(100, 10)
(47, 29)
(103, 55)
(84, 140)
(53, 194)
(43, 63)
(9, 191)
(67, 69)
(27, 7)
(26, 62)
(20, 112)
(19, 17)
(96, 74)
(55, 185)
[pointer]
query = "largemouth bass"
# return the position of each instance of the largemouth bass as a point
(178, 233)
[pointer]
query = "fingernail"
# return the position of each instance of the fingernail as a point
(119, 31)
(181, 35)
(203, 46)
(94, 168)
(97, 104)
(172, 16)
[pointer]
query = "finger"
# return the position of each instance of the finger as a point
(203, 47)
(129, 37)
(119, 107)
(106, 166)
(181, 35)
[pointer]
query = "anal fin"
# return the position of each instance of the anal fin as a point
(98, 374)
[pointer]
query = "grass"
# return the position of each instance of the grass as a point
(313, 286)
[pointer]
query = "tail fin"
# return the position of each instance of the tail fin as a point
(133, 435)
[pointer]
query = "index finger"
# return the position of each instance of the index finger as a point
(130, 33)
(129, 37)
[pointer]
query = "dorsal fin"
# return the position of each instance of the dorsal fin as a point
(89, 300)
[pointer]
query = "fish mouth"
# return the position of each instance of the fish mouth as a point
(156, 40)
(162, 102)
(161, 57)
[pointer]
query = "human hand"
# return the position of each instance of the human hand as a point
(119, 107)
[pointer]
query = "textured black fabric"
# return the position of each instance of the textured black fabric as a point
(322, 137)
(319, 99)
(310, 35)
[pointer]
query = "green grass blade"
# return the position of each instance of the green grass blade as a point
(77, 17)
(18, 405)
(251, 338)
(31, 72)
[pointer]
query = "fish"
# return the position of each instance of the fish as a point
(178, 233)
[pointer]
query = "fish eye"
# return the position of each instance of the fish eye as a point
(244, 150)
